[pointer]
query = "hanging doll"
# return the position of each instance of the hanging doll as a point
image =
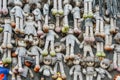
(77, 17)
(88, 8)
(67, 10)
(38, 18)
(30, 30)
(46, 69)
(3, 7)
(76, 69)
(70, 43)
(50, 37)
(19, 15)
(59, 60)
(102, 70)
(89, 71)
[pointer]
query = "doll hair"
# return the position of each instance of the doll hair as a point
(58, 44)
(32, 15)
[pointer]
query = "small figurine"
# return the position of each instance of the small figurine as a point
(89, 71)
(30, 28)
(102, 70)
(50, 37)
(59, 47)
(76, 69)
(67, 10)
(3, 7)
(70, 43)
(46, 69)
(88, 8)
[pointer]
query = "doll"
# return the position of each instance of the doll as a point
(70, 43)
(89, 30)
(35, 51)
(77, 17)
(59, 60)
(67, 10)
(102, 70)
(30, 31)
(88, 8)
(19, 15)
(3, 7)
(38, 18)
(76, 69)
(89, 71)
(50, 37)
(46, 68)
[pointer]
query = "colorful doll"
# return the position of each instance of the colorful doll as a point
(3, 7)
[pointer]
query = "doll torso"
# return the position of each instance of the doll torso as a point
(7, 28)
(101, 72)
(70, 39)
(22, 51)
(18, 12)
(90, 70)
(117, 48)
(107, 29)
(77, 68)
(46, 70)
(59, 57)
(50, 35)
(67, 9)
(38, 14)
(88, 0)
(97, 15)
(46, 9)
(87, 47)
(76, 13)
(88, 23)
(34, 50)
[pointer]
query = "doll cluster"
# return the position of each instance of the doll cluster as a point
(42, 36)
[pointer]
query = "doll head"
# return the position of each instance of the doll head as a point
(30, 17)
(7, 20)
(59, 47)
(21, 43)
(117, 38)
(77, 3)
(105, 63)
(35, 41)
(70, 31)
(38, 5)
(47, 60)
(76, 60)
(51, 26)
(18, 3)
(66, 2)
(90, 61)
(28, 61)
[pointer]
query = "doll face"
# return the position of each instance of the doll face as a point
(27, 63)
(51, 26)
(22, 43)
(104, 65)
(47, 61)
(76, 61)
(58, 48)
(30, 17)
(90, 63)
(35, 42)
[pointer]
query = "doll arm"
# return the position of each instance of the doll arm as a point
(52, 72)
(42, 36)
(81, 45)
(10, 72)
(56, 35)
(40, 50)
(77, 41)
(106, 19)
(71, 70)
(73, 10)
(31, 73)
(12, 11)
(25, 14)
(16, 52)
(36, 25)
(29, 53)
(41, 69)
(63, 39)
(108, 74)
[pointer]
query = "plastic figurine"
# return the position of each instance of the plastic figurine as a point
(102, 70)
(30, 24)
(50, 38)
(67, 10)
(46, 69)
(76, 69)
(59, 77)
(3, 7)
(19, 15)
(89, 71)
(59, 47)
(70, 43)
(88, 8)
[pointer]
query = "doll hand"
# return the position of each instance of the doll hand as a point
(81, 46)
(14, 54)
(110, 77)
(71, 73)
(57, 36)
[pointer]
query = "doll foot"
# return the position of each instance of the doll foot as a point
(4, 60)
(102, 34)
(13, 78)
(60, 12)
(13, 24)
(45, 53)
(37, 68)
(67, 57)
(85, 15)
(103, 54)
(1, 29)
(86, 39)
(98, 54)
(65, 28)
(40, 32)
(108, 48)
(57, 29)
(22, 31)
(112, 31)
(118, 69)
(3, 45)
(5, 11)
(76, 30)
(8, 60)
(54, 76)
(52, 53)
(92, 39)
(45, 28)
(26, 39)
(20, 69)
(63, 76)
(97, 34)
(31, 39)
(115, 66)
(71, 56)
(17, 30)
(90, 14)
(54, 11)
(9, 46)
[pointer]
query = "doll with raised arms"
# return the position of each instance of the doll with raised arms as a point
(3, 7)
(50, 38)
(30, 28)
(76, 69)
(70, 43)
(59, 47)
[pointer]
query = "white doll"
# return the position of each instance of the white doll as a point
(88, 8)
(59, 60)
(50, 38)
(70, 43)
(67, 10)
(89, 71)
(77, 17)
(102, 70)
(30, 28)
(3, 7)
(19, 15)
(76, 69)
(38, 18)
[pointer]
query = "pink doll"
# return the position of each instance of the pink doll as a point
(50, 37)
(88, 8)
(3, 7)
(38, 18)
(70, 43)
(59, 47)
(76, 69)
(30, 28)
(67, 10)
(19, 15)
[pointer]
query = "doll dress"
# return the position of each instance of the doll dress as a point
(70, 39)
(67, 9)
(76, 12)
(7, 28)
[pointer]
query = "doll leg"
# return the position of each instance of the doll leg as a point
(86, 38)
(54, 10)
(9, 59)
(85, 9)
(19, 77)
(91, 77)
(99, 77)
(90, 9)
(60, 10)
(20, 64)
(115, 58)
(62, 70)
(4, 44)
(45, 51)
(21, 26)
(26, 38)
(98, 49)
(80, 76)
(55, 71)
(17, 25)
(45, 26)
(57, 29)
(87, 77)
(37, 66)
(67, 52)
(92, 39)
(9, 45)
(102, 28)
(39, 32)
(65, 26)
(4, 9)
(4, 60)
(0, 6)
(107, 47)
(52, 52)
(102, 50)
(91, 52)
(118, 61)
(112, 30)
(85, 53)
(72, 52)
(30, 38)
(76, 30)
(97, 27)
(75, 76)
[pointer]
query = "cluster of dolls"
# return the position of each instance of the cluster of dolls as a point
(33, 33)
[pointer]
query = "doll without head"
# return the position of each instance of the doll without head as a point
(50, 38)
(70, 44)
(46, 68)
(3, 7)
(30, 28)
(102, 70)
(59, 47)
(76, 69)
